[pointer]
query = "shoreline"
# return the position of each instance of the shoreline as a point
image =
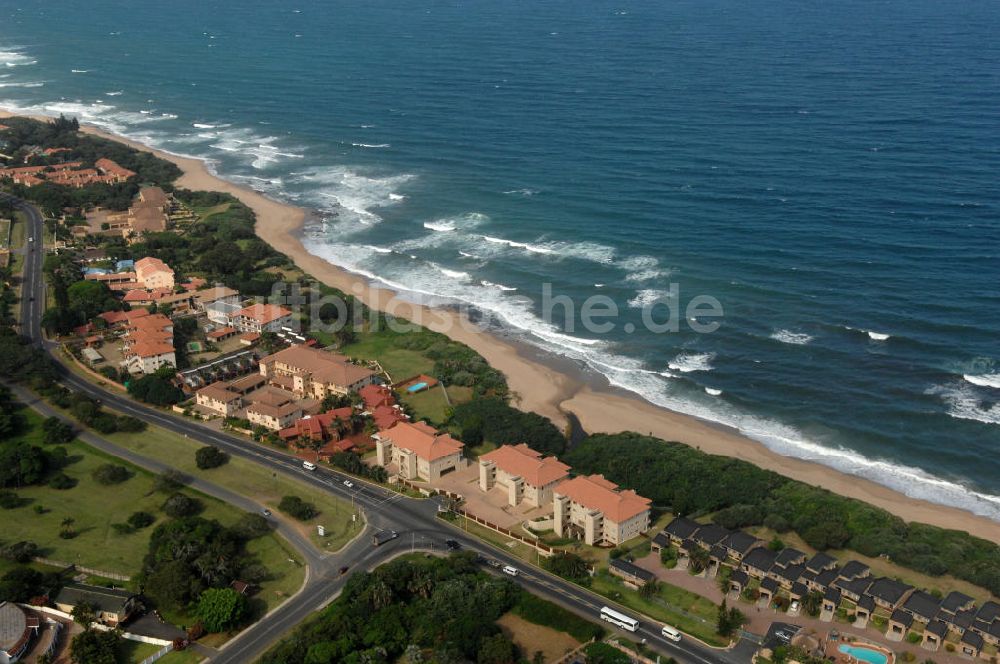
(549, 385)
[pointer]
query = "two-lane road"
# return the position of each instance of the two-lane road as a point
(416, 521)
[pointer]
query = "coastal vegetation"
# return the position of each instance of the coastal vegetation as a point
(421, 609)
(738, 494)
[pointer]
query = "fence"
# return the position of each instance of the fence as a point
(158, 654)
(543, 549)
(86, 570)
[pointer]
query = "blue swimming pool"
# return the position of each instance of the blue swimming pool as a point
(417, 387)
(864, 654)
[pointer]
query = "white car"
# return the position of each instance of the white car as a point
(512, 571)
(793, 607)
(349, 484)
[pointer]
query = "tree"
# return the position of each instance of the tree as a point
(84, 614)
(21, 584)
(496, 649)
(140, 520)
(20, 552)
(812, 603)
(110, 473)
(179, 505)
(569, 566)
(210, 456)
(155, 389)
(649, 589)
(221, 609)
(728, 620)
(602, 653)
(56, 431)
(298, 508)
(169, 481)
(95, 647)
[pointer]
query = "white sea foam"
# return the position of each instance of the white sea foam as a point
(711, 391)
(789, 337)
(522, 192)
(463, 222)
(688, 362)
(533, 248)
(877, 336)
(490, 284)
(352, 192)
(202, 125)
(114, 93)
(984, 380)
(80, 71)
(371, 145)
(965, 403)
(454, 274)
(646, 297)
(23, 84)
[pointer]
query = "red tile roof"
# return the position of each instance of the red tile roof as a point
(421, 439)
(522, 461)
(596, 493)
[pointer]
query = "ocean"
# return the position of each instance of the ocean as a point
(827, 172)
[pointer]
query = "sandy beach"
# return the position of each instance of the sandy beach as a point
(544, 386)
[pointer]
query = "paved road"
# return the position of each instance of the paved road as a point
(415, 520)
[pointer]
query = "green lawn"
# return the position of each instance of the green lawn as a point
(180, 657)
(431, 404)
(18, 232)
(4, 231)
(133, 652)
(249, 479)
(401, 363)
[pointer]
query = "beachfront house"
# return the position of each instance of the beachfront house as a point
(593, 509)
(922, 605)
(524, 474)
(680, 529)
(307, 371)
(262, 318)
(739, 543)
(889, 593)
(899, 624)
(758, 562)
(154, 273)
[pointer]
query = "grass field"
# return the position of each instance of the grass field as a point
(5, 228)
(432, 404)
(249, 479)
(531, 638)
(401, 363)
(94, 507)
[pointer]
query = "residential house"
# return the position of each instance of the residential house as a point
(116, 281)
(312, 429)
(831, 600)
(418, 451)
(788, 557)
(854, 569)
(955, 602)
(710, 535)
(821, 562)
(221, 334)
(17, 629)
(758, 562)
(308, 371)
(262, 318)
(154, 273)
(203, 298)
(934, 635)
(768, 590)
(680, 529)
(148, 214)
(273, 409)
(864, 609)
(788, 575)
(112, 606)
(523, 473)
(738, 581)
(971, 644)
(922, 606)
(595, 510)
(219, 399)
(222, 312)
(899, 624)
(112, 170)
(739, 543)
(147, 357)
(853, 589)
(889, 593)
(631, 574)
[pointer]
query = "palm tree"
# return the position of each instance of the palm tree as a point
(698, 559)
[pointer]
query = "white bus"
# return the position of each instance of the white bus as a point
(620, 619)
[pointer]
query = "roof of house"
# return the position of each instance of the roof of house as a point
(221, 332)
(711, 534)
(204, 297)
(385, 416)
(630, 569)
(789, 556)
(888, 590)
(852, 569)
(739, 576)
(597, 493)
(832, 595)
(760, 558)
(115, 317)
(325, 367)
(854, 586)
(110, 600)
(769, 584)
(219, 391)
(937, 628)
(682, 527)
(271, 410)
(153, 196)
(374, 396)
(226, 308)
(317, 426)
(956, 601)
(902, 617)
(989, 611)
(820, 562)
(826, 577)
(972, 639)
(421, 439)
(922, 603)
(799, 589)
(151, 348)
(719, 552)
(789, 573)
(264, 313)
(740, 541)
(661, 539)
(960, 619)
(150, 265)
(522, 461)
(867, 603)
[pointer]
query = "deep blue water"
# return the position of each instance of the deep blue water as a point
(826, 171)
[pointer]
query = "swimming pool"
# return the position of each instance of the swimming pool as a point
(416, 388)
(863, 653)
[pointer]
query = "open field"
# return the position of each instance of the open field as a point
(248, 479)
(531, 638)
(432, 404)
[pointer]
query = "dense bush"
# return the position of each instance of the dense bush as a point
(140, 520)
(687, 481)
(445, 606)
(155, 389)
(110, 473)
(62, 482)
(494, 421)
(20, 552)
(298, 508)
(221, 609)
(569, 566)
(179, 505)
(536, 610)
(210, 456)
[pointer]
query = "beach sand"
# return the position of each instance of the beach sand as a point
(545, 386)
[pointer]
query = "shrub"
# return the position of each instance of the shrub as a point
(20, 552)
(56, 431)
(210, 456)
(62, 481)
(169, 481)
(9, 500)
(536, 610)
(110, 473)
(298, 508)
(140, 520)
(251, 526)
(179, 505)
